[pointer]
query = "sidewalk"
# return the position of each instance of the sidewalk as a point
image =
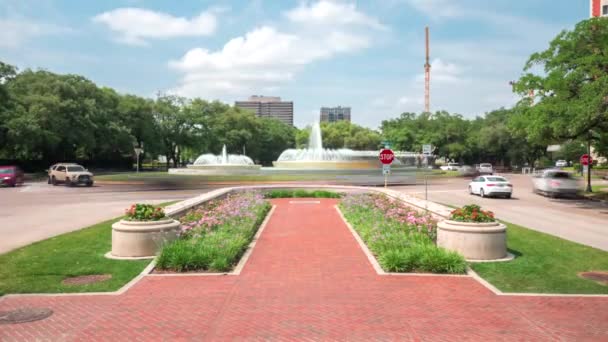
(308, 279)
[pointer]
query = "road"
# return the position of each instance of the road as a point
(37, 211)
(581, 221)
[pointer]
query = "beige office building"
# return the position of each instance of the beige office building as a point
(269, 106)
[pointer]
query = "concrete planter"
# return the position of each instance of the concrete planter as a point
(140, 239)
(475, 241)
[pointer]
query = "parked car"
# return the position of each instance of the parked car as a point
(555, 183)
(485, 169)
(70, 174)
(450, 167)
(561, 163)
(468, 171)
(491, 186)
(10, 176)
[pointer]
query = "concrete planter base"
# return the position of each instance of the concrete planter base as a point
(475, 241)
(140, 239)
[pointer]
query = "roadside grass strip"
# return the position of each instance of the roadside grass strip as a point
(544, 264)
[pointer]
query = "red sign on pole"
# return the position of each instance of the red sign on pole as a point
(586, 159)
(386, 156)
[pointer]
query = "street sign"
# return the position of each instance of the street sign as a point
(138, 150)
(427, 149)
(386, 169)
(586, 159)
(386, 156)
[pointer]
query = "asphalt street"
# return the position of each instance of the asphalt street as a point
(37, 211)
(577, 220)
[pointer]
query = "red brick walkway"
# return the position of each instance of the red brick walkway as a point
(307, 279)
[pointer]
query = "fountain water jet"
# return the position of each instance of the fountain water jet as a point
(211, 164)
(317, 157)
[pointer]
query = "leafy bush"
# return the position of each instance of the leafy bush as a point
(144, 212)
(301, 194)
(472, 213)
(216, 234)
(401, 238)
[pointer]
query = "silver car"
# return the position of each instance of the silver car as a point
(555, 183)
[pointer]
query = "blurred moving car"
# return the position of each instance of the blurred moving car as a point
(69, 173)
(485, 169)
(450, 167)
(491, 186)
(555, 183)
(468, 171)
(561, 163)
(10, 176)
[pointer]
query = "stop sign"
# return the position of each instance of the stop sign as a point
(586, 159)
(386, 156)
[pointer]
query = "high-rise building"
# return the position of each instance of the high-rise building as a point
(598, 8)
(269, 106)
(333, 114)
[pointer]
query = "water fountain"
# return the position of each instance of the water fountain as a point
(317, 157)
(222, 164)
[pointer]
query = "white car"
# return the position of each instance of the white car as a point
(450, 167)
(485, 169)
(555, 183)
(491, 186)
(561, 163)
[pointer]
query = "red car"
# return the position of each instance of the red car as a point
(11, 176)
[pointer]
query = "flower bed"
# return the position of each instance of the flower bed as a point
(144, 212)
(215, 235)
(401, 239)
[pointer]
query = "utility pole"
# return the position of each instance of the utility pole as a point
(427, 76)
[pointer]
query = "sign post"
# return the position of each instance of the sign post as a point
(587, 161)
(386, 158)
(138, 151)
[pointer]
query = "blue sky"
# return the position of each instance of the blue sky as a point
(366, 54)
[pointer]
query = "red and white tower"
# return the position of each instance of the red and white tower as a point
(598, 8)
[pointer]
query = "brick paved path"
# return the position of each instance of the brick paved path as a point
(307, 279)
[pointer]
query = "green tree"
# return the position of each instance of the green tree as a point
(571, 95)
(179, 128)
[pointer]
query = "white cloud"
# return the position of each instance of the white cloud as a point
(443, 72)
(437, 8)
(326, 12)
(136, 25)
(15, 32)
(266, 57)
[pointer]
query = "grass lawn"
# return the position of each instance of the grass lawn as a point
(42, 266)
(544, 264)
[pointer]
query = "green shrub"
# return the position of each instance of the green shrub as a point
(300, 193)
(402, 241)
(215, 246)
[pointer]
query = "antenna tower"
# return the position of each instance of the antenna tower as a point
(427, 76)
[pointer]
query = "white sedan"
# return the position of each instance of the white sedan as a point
(491, 186)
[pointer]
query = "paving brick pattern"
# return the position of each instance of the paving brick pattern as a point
(308, 280)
